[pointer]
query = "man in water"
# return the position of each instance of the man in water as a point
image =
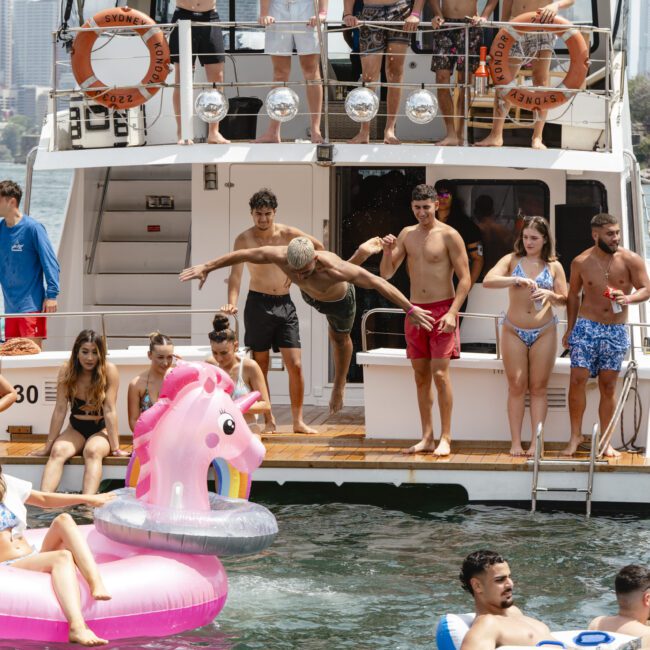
(604, 275)
(486, 576)
(327, 284)
(536, 47)
(632, 586)
(28, 263)
(207, 44)
(433, 251)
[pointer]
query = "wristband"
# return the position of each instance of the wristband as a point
(346, 15)
(410, 311)
(417, 14)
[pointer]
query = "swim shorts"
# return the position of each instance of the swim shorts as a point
(597, 346)
(29, 327)
(530, 44)
(421, 344)
(207, 42)
(339, 313)
(281, 40)
(271, 322)
(373, 40)
(449, 48)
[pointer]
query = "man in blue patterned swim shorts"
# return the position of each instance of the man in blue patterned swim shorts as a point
(610, 278)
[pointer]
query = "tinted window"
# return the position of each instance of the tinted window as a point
(591, 193)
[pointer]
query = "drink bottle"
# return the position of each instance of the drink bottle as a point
(481, 75)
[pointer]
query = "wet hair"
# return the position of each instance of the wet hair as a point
(603, 219)
(424, 192)
(221, 330)
(476, 563)
(631, 578)
(157, 338)
(11, 190)
(541, 226)
(300, 252)
(98, 381)
(263, 198)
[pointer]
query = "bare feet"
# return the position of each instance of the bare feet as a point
(300, 427)
(572, 447)
(449, 141)
(86, 637)
(610, 452)
(443, 448)
(518, 450)
(269, 426)
(336, 400)
(316, 137)
(181, 141)
(537, 144)
(217, 138)
(423, 447)
(98, 591)
(360, 138)
(269, 138)
(490, 141)
(390, 137)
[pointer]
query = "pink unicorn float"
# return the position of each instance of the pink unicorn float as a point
(194, 421)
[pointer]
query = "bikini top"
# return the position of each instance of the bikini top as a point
(8, 520)
(544, 280)
(241, 387)
(145, 401)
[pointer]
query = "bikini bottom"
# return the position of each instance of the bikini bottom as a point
(528, 336)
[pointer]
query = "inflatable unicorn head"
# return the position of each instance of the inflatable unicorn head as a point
(194, 421)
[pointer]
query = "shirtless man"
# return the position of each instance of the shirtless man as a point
(596, 332)
(486, 576)
(536, 47)
(434, 251)
(207, 44)
(449, 53)
(327, 284)
(632, 585)
(374, 42)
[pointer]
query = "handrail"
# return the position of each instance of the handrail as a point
(98, 224)
(29, 175)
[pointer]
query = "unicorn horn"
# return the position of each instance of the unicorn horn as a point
(246, 401)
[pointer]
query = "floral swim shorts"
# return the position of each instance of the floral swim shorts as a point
(373, 40)
(597, 346)
(449, 48)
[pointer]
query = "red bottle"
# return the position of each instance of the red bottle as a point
(481, 74)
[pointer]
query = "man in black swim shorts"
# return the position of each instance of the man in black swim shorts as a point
(207, 44)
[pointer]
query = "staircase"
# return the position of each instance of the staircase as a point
(138, 249)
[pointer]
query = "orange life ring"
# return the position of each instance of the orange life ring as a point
(535, 100)
(154, 39)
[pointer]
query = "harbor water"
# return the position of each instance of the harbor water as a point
(343, 574)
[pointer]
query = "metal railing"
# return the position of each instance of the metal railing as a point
(187, 85)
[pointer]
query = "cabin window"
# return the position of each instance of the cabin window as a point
(631, 226)
(591, 193)
(583, 12)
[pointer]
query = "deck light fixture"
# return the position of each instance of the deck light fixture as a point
(421, 106)
(361, 104)
(211, 106)
(325, 153)
(282, 104)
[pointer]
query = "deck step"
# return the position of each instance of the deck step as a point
(140, 257)
(146, 225)
(132, 194)
(144, 289)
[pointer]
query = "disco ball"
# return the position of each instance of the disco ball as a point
(211, 106)
(421, 106)
(282, 104)
(361, 104)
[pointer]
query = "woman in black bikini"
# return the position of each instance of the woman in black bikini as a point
(88, 383)
(145, 388)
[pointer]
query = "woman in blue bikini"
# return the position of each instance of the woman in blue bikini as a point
(536, 283)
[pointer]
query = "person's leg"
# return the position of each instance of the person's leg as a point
(395, 56)
(515, 364)
(422, 372)
(371, 67)
(61, 566)
(607, 386)
(292, 358)
(577, 405)
(96, 449)
(440, 372)
(541, 67)
(214, 74)
(541, 361)
(342, 348)
(310, 64)
(281, 72)
(67, 445)
(64, 534)
(447, 111)
(262, 359)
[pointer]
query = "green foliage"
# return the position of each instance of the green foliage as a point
(642, 151)
(11, 136)
(5, 154)
(639, 91)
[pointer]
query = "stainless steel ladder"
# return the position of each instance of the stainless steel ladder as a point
(539, 462)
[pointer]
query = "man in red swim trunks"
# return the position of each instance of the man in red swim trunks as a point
(434, 251)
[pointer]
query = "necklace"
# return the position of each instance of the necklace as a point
(605, 270)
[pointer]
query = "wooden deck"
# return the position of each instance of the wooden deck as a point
(340, 443)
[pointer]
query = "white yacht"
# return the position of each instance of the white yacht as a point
(142, 207)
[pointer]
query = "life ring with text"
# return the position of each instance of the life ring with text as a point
(536, 100)
(152, 36)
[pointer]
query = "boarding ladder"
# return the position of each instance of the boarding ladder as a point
(539, 463)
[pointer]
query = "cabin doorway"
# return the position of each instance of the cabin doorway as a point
(373, 201)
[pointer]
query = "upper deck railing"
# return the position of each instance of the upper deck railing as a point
(598, 86)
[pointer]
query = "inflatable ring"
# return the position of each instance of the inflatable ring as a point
(154, 39)
(153, 593)
(536, 100)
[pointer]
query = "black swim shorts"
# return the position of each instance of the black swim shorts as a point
(207, 42)
(271, 322)
(339, 313)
